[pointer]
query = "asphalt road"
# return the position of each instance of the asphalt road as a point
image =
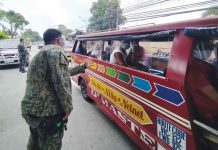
(88, 127)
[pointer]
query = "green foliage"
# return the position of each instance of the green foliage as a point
(30, 35)
(13, 20)
(210, 12)
(4, 36)
(2, 14)
(66, 32)
(106, 14)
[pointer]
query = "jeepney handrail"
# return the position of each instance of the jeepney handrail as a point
(206, 127)
(201, 32)
(148, 36)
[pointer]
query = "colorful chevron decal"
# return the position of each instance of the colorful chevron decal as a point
(141, 84)
(93, 66)
(101, 68)
(111, 72)
(167, 94)
(124, 77)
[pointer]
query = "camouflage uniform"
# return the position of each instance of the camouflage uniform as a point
(22, 56)
(48, 92)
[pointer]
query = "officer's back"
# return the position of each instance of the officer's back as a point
(40, 92)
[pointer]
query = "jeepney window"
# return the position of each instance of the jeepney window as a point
(107, 50)
(94, 48)
(149, 56)
(143, 54)
(153, 54)
(109, 46)
(81, 48)
(206, 50)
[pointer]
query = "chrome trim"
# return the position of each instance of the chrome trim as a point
(206, 127)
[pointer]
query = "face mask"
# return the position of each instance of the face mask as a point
(125, 46)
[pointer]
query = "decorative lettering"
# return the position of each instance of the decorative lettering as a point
(127, 105)
(148, 140)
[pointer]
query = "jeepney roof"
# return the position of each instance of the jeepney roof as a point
(202, 22)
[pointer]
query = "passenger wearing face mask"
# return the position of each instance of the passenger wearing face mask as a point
(119, 54)
(202, 84)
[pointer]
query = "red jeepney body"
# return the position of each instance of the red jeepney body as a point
(154, 111)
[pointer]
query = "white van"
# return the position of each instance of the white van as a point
(9, 52)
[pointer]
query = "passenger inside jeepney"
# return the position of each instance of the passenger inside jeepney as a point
(202, 83)
(96, 51)
(136, 56)
(105, 55)
(82, 48)
(119, 53)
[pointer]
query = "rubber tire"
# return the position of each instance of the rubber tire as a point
(83, 88)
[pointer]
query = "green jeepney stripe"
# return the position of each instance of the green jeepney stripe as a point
(111, 72)
(124, 77)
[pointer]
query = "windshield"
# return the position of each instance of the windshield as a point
(8, 44)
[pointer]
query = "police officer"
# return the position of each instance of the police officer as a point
(47, 102)
(22, 50)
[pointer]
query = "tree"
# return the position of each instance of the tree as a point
(2, 15)
(106, 14)
(211, 12)
(12, 22)
(66, 32)
(77, 32)
(30, 35)
(4, 35)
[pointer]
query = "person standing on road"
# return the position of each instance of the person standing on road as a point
(47, 102)
(22, 55)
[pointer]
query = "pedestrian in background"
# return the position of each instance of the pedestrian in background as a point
(47, 102)
(23, 52)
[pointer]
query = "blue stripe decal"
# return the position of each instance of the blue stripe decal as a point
(141, 84)
(170, 95)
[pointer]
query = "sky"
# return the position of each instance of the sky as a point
(44, 14)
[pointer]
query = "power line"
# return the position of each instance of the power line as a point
(152, 23)
(143, 5)
(128, 7)
(187, 6)
(194, 7)
(169, 14)
(105, 19)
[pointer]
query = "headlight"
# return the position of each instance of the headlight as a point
(1, 57)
